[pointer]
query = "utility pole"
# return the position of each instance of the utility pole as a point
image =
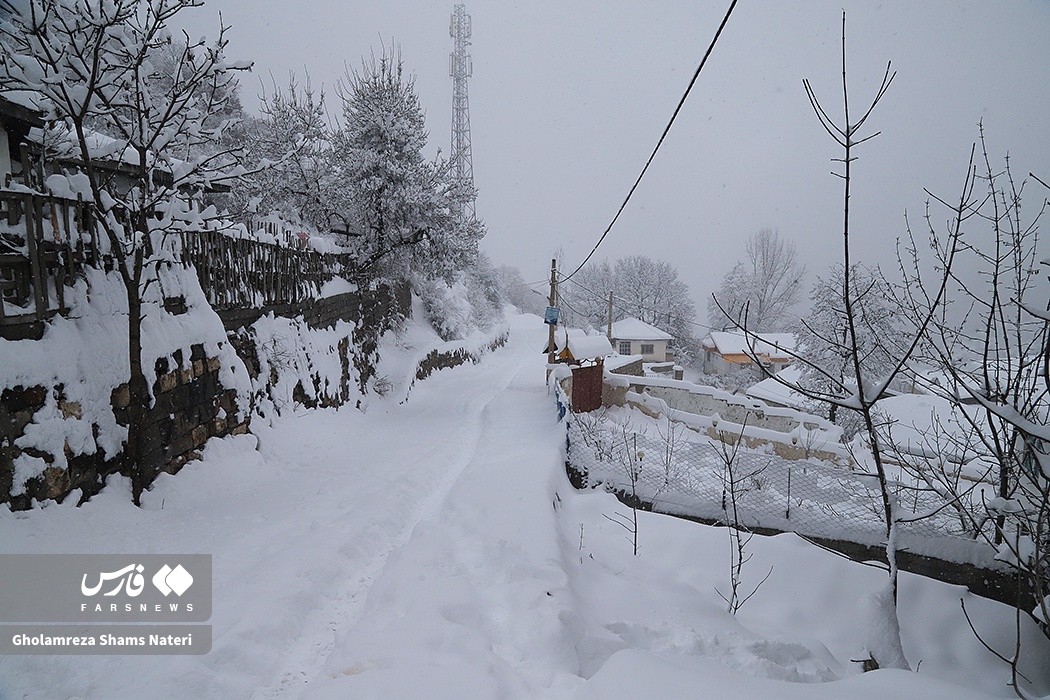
(460, 67)
(553, 303)
(609, 332)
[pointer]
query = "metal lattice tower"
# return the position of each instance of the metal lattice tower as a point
(460, 68)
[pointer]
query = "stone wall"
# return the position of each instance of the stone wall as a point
(708, 401)
(321, 354)
(190, 406)
(374, 307)
(438, 360)
(721, 416)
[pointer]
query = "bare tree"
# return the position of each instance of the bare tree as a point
(991, 355)
(767, 285)
(736, 481)
(630, 459)
(94, 67)
(859, 389)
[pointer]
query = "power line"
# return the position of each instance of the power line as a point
(627, 309)
(661, 141)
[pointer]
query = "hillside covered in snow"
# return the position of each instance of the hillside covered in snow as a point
(432, 546)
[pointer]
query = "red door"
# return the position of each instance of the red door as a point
(587, 388)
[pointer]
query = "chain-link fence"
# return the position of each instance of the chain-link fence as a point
(680, 472)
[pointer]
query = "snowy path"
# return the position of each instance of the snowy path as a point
(299, 529)
(477, 597)
(435, 549)
(467, 427)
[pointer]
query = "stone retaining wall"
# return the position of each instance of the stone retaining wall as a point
(190, 406)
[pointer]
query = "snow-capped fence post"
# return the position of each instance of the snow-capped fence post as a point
(32, 227)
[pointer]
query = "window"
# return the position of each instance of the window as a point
(647, 348)
(625, 347)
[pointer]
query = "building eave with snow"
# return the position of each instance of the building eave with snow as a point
(18, 116)
(577, 347)
(726, 352)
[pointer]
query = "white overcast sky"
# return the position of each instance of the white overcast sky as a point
(568, 99)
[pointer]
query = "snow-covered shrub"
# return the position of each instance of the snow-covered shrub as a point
(471, 303)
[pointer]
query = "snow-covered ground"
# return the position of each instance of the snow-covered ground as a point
(434, 548)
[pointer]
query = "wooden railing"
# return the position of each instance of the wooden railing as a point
(45, 242)
(245, 273)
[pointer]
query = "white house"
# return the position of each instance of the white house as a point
(634, 337)
(730, 351)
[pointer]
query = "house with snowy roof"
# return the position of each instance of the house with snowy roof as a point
(730, 351)
(18, 116)
(632, 336)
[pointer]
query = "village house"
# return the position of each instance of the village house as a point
(631, 336)
(726, 352)
(17, 117)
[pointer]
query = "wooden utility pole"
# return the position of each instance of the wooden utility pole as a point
(553, 302)
(609, 332)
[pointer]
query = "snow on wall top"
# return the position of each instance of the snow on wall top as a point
(773, 390)
(635, 329)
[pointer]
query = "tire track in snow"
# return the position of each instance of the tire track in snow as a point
(305, 661)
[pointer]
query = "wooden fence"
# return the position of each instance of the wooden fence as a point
(46, 242)
(245, 273)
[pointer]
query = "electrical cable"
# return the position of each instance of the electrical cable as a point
(659, 143)
(627, 309)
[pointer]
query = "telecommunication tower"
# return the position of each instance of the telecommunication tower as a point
(460, 68)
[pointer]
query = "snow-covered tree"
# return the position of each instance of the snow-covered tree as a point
(297, 176)
(652, 291)
(406, 211)
(766, 286)
(584, 300)
(120, 88)
(647, 289)
(826, 341)
(471, 301)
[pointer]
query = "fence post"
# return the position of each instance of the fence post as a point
(35, 271)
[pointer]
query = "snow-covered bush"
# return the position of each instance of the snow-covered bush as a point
(472, 302)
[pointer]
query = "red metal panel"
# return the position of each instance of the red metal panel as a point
(587, 388)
